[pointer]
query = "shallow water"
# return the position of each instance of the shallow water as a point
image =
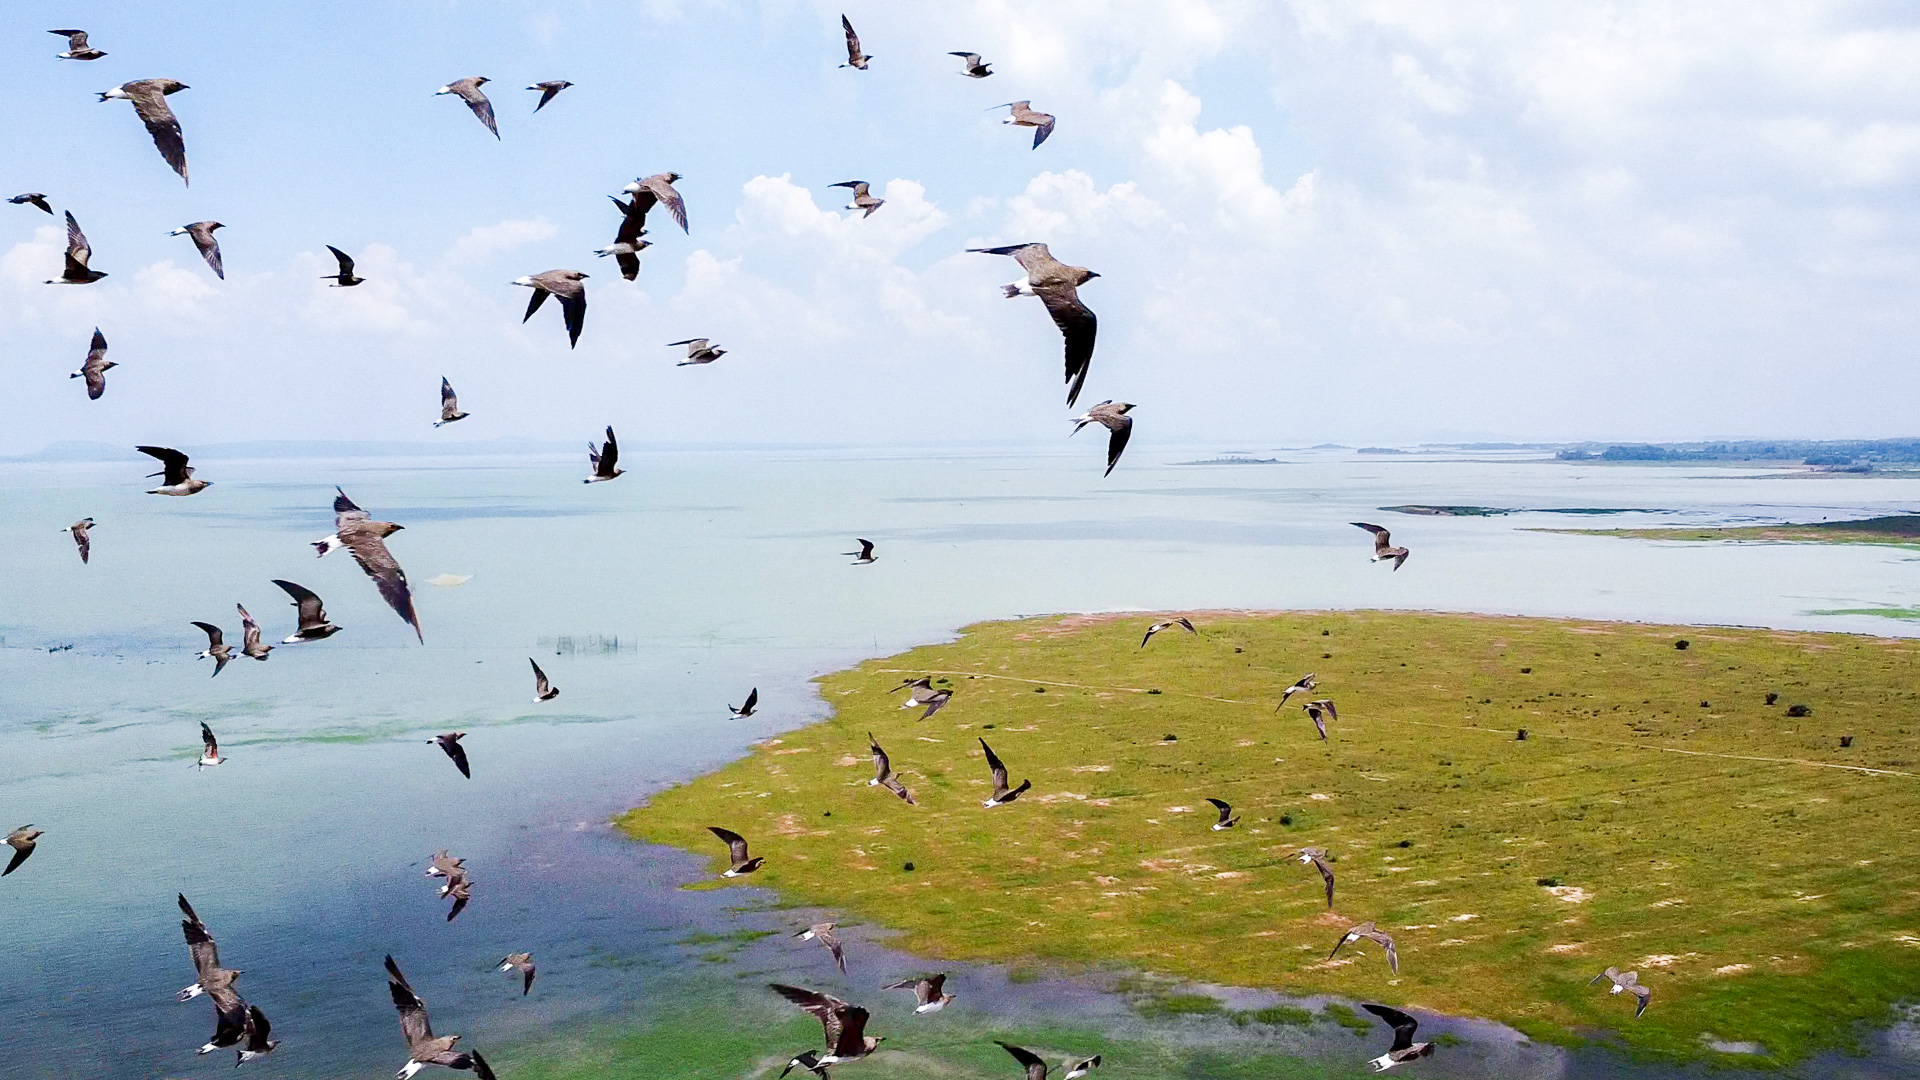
(715, 572)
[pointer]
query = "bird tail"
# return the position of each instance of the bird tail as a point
(1010, 291)
(330, 543)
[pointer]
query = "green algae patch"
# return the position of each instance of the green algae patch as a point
(1896, 531)
(1660, 815)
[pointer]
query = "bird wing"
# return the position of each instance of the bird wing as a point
(663, 191)
(609, 455)
(1042, 126)
(1381, 939)
(96, 378)
(449, 401)
(257, 1029)
(633, 220)
(539, 297)
(972, 59)
(995, 766)
(853, 40)
(1079, 326)
(96, 349)
(414, 1025)
(934, 986)
(736, 844)
(458, 753)
(573, 306)
(547, 91)
(1333, 714)
(882, 765)
(78, 250)
(540, 683)
(150, 102)
(824, 1006)
(1326, 872)
(894, 785)
(478, 102)
(1226, 810)
(346, 261)
(20, 853)
(833, 946)
(1117, 442)
(200, 946)
(209, 250)
(1382, 539)
(345, 513)
(1028, 1059)
(312, 612)
(371, 553)
(172, 461)
(207, 740)
(1403, 1025)
(753, 700)
(230, 1015)
(81, 539)
(852, 1040)
(76, 39)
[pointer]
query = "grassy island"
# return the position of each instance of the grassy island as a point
(1660, 815)
(1901, 530)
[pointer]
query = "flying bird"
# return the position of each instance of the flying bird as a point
(1057, 285)
(736, 851)
(1318, 857)
(865, 555)
(450, 742)
(365, 539)
(698, 351)
(230, 1012)
(542, 689)
(216, 650)
(77, 47)
(547, 91)
(626, 253)
(94, 368)
(313, 616)
(855, 58)
(443, 864)
(1367, 931)
(934, 703)
(658, 188)
(22, 840)
(1383, 548)
(744, 711)
(202, 233)
(1111, 415)
(974, 68)
(845, 1025)
(460, 887)
(1622, 982)
(1080, 1068)
(250, 636)
(1001, 795)
(883, 775)
(344, 279)
(176, 476)
(1320, 712)
(1404, 1049)
(862, 197)
(566, 285)
(76, 272)
(627, 242)
(1036, 1068)
(424, 1048)
(1227, 820)
(257, 1031)
(927, 994)
(823, 932)
(808, 1060)
(34, 198)
(209, 746)
(1304, 684)
(149, 97)
(449, 404)
(1024, 115)
(604, 460)
(1168, 624)
(468, 90)
(521, 961)
(81, 539)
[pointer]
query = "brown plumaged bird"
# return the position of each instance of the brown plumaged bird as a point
(547, 91)
(855, 58)
(567, 286)
(81, 538)
(468, 90)
(1383, 549)
(1025, 115)
(75, 270)
(1058, 286)
(845, 1025)
(94, 368)
(149, 97)
(202, 234)
(77, 47)
(365, 539)
(424, 1048)
(657, 189)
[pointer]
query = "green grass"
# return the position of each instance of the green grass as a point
(1896, 531)
(1689, 830)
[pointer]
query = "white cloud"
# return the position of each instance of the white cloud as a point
(485, 240)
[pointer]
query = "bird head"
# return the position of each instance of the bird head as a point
(481, 80)
(673, 178)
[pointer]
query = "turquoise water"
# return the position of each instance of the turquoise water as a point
(654, 602)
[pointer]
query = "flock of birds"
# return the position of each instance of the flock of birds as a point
(242, 1026)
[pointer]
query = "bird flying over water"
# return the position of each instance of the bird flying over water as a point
(566, 286)
(1227, 820)
(1024, 115)
(149, 97)
(862, 197)
(81, 539)
(209, 746)
(744, 711)
(449, 404)
(250, 636)
(865, 555)
(460, 887)
(975, 69)
(424, 1048)
(365, 539)
(855, 58)
(823, 932)
(845, 1025)
(176, 476)
(604, 459)
(468, 90)
(1627, 982)
(450, 742)
(547, 90)
(883, 775)
(926, 992)
(1057, 285)
(202, 234)
(33, 198)
(1318, 857)
(75, 271)
(1404, 1049)
(22, 840)
(542, 689)
(443, 864)
(736, 851)
(216, 650)
(1367, 931)
(1111, 415)
(231, 1020)
(1382, 545)
(313, 616)
(698, 351)
(1001, 794)
(77, 47)
(658, 188)
(344, 279)
(94, 368)
(520, 961)
(257, 1030)
(1168, 624)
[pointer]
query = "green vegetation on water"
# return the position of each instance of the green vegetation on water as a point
(1896, 531)
(1660, 816)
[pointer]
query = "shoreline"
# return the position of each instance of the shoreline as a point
(1048, 915)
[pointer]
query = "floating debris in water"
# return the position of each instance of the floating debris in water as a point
(448, 581)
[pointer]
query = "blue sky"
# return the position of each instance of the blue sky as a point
(1369, 222)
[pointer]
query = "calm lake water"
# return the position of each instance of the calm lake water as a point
(653, 602)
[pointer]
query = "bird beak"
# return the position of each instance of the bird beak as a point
(1091, 274)
(398, 528)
